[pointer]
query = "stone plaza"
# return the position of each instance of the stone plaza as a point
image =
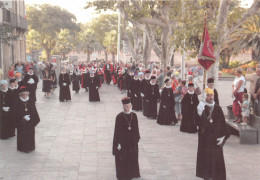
(74, 141)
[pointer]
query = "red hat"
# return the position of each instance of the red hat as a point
(23, 89)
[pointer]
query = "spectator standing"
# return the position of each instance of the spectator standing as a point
(245, 109)
(238, 88)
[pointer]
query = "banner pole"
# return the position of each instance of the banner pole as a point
(204, 79)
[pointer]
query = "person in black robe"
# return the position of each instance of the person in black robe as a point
(93, 85)
(189, 105)
(18, 78)
(212, 135)
(47, 82)
(54, 78)
(136, 98)
(108, 69)
(64, 82)
(210, 83)
(125, 143)
(166, 115)
(27, 118)
(152, 97)
(128, 79)
(76, 80)
(144, 84)
(31, 81)
(85, 77)
(12, 99)
(5, 106)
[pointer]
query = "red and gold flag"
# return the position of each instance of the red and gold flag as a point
(206, 54)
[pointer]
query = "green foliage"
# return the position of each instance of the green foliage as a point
(234, 64)
(33, 40)
(48, 21)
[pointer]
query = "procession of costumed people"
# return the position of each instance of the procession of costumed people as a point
(168, 100)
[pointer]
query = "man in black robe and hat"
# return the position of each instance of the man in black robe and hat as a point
(210, 84)
(213, 133)
(166, 115)
(125, 143)
(64, 82)
(152, 96)
(30, 81)
(93, 84)
(27, 118)
(5, 110)
(143, 87)
(189, 113)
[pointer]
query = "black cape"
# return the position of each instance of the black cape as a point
(64, 90)
(128, 82)
(31, 87)
(152, 95)
(166, 113)
(127, 166)
(93, 85)
(26, 129)
(210, 159)
(189, 113)
(135, 95)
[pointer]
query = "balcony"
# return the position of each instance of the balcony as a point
(5, 17)
(11, 19)
(22, 23)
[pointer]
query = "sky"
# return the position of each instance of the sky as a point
(76, 7)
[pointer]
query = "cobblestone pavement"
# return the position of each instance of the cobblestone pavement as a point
(74, 141)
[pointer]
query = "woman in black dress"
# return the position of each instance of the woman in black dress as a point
(47, 82)
(76, 79)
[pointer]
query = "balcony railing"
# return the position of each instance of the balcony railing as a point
(5, 17)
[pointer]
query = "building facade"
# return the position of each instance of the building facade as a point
(13, 26)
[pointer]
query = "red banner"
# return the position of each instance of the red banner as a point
(206, 55)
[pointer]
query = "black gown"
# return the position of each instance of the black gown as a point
(152, 96)
(26, 129)
(64, 90)
(189, 113)
(13, 98)
(216, 97)
(93, 85)
(76, 81)
(166, 115)
(107, 71)
(31, 87)
(210, 158)
(127, 166)
(144, 84)
(5, 123)
(46, 87)
(136, 98)
(128, 82)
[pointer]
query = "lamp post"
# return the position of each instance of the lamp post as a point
(183, 63)
(118, 36)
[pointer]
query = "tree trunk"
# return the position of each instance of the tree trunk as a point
(255, 56)
(48, 52)
(113, 56)
(105, 51)
(88, 55)
(165, 48)
(146, 50)
(221, 27)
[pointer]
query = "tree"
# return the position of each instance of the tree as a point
(101, 26)
(110, 42)
(247, 37)
(33, 40)
(48, 20)
(64, 42)
(87, 41)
